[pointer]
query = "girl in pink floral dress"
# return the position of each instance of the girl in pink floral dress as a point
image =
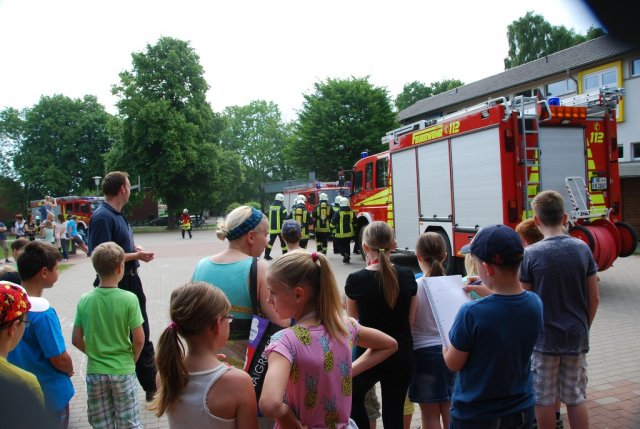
(308, 381)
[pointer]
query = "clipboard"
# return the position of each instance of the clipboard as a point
(445, 295)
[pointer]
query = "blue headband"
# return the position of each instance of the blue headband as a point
(248, 225)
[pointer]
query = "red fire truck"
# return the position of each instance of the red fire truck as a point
(82, 207)
(312, 192)
(484, 165)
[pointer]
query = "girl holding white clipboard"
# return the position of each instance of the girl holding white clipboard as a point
(432, 382)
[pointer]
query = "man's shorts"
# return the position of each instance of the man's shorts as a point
(78, 239)
(559, 376)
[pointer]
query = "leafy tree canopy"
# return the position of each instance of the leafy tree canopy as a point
(11, 121)
(169, 133)
(62, 144)
(416, 91)
(531, 37)
(257, 133)
(337, 122)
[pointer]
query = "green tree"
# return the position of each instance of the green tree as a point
(416, 91)
(63, 141)
(258, 134)
(169, 131)
(531, 37)
(11, 122)
(337, 122)
(12, 198)
(411, 94)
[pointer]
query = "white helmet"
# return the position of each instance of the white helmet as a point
(302, 198)
(338, 199)
(279, 197)
(185, 211)
(344, 202)
(323, 197)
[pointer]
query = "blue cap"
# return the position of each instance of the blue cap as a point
(497, 245)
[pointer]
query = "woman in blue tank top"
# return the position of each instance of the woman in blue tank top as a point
(247, 232)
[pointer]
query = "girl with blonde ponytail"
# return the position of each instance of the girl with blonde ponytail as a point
(432, 382)
(195, 389)
(308, 380)
(383, 296)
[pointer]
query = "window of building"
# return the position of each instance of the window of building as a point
(562, 87)
(600, 79)
(528, 93)
(635, 151)
(635, 67)
(382, 173)
(620, 151)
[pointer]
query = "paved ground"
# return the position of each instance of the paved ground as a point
(614, 366)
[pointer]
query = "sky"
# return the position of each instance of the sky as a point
(260, 50)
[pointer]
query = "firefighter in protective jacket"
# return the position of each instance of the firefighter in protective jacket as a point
(185, 223)
(277, 215)
(335, 208)
(343, 222)
(300, 213)
(321, 217)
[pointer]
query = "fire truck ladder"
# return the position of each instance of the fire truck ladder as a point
(596, 102)
(529, 125)
(392, 136)
(579, 201)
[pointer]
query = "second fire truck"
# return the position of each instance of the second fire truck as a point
(485, 164)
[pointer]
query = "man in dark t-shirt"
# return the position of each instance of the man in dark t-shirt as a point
(108, 223)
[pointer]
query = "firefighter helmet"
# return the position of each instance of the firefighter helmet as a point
(337, 200)
(344, 202)
(323, 197)
(279, 197)
(185, 211)
(302, 198)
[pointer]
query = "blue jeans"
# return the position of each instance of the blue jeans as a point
(520, 420)
(64, 244)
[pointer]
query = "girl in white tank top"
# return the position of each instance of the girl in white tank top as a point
(195, 389)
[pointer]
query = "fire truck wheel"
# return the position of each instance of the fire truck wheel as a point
(629, 239)
(582, 233)
(449, 263)
(358, 240)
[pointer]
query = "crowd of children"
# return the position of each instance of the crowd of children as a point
(514, 354)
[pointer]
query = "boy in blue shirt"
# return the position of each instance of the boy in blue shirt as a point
(42, 351)
(492, 340)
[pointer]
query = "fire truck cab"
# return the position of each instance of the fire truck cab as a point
(485, 164)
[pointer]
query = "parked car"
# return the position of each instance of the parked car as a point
(159, 221)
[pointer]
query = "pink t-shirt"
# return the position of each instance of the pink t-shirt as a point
(319, 387)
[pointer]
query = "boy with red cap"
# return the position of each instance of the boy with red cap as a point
(14, 307)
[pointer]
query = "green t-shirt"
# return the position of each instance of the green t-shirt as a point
(106, 316)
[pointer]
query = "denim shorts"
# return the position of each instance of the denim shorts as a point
(432, 381)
